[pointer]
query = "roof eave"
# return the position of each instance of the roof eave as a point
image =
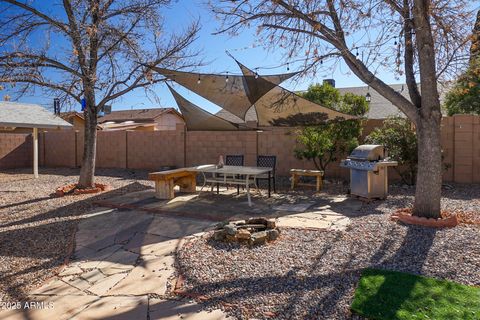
(30, 125)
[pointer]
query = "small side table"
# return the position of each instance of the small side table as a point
(297, 173)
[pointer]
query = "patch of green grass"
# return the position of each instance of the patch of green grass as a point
(386, 295)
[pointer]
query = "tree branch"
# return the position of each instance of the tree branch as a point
(61, 26)
(409, 56)
(42, 84)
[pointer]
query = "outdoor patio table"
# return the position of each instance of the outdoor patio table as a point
(231, 174)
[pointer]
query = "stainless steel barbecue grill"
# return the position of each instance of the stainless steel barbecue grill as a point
(368, 165)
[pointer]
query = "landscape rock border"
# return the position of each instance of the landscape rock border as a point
(405, 215)
(72, 189)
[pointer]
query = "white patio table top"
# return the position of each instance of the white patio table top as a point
(229, 175)
(232, 169)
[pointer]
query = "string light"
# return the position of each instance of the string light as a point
(198, 81)
(226, 77)
(288, 66)
(256, 75)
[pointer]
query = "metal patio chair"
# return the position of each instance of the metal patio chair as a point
(267, 162)
(233, 160)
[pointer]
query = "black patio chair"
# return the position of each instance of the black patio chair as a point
(233, 160)
(267, 162)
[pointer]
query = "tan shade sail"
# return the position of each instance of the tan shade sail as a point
(236, 94)
(280, 107)
(198, 119)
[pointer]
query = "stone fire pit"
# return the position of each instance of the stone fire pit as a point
(251, 231)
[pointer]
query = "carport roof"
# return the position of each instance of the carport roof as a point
(25, 115)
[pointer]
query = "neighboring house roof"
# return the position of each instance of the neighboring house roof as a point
(127, 126)
(24, 115)
(380, 108)
(68, 115)
(137, 115)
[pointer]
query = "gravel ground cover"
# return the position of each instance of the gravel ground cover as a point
(313, 274)
(36, 228)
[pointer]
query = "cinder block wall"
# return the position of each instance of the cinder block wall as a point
(154, 149)
(111, 149)
(461, 142)
(151, 150)
(57, 148)
(281, 142)
(15, 150)
(204, 147)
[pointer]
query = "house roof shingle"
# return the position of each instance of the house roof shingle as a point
(68, 115)
(26, 115)
(138, 115)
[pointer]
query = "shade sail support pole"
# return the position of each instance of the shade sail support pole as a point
(35, 153)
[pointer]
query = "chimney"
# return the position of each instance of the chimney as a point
(330, 82)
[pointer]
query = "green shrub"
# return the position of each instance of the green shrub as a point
(398, 136)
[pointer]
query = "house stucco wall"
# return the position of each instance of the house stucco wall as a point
(168, 121)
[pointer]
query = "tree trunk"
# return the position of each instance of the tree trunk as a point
(429, 175)
(87, 172)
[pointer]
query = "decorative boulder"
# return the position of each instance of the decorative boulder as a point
(258, 238)
(272, 234)
(230, 229)
(219, 235)
(243, 234)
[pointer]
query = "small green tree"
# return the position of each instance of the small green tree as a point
(464, 97)
(323, 143)
(398, 136)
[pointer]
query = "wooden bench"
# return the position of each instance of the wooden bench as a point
(165, 181)
(297, 173)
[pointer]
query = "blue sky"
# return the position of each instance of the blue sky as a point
(213, 48)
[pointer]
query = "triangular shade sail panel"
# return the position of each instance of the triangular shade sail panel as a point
(198, 119)
(236, 95)
(280, 107)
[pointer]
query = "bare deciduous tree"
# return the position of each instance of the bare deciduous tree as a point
(418, 39)
(98, 50)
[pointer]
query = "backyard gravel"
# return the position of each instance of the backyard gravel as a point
(303, 275)
(36, 228)
(313, 274)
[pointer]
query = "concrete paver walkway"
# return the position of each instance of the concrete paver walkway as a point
(123, 262)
